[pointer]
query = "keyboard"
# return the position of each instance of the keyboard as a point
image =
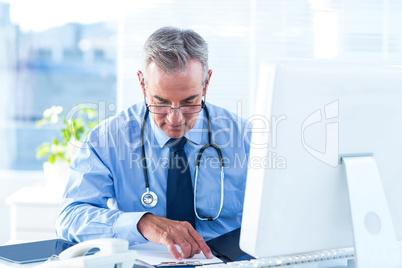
(321, 258)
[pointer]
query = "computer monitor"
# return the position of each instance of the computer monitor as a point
(308, 115)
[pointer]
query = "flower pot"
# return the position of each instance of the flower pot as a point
(56, 174)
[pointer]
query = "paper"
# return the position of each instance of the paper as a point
(154, 254)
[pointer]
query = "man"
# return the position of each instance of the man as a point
(110, 164)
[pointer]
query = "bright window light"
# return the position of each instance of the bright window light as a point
(326, 34)
(41, 15)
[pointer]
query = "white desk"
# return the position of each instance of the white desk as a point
(33, 213)
(6, 264)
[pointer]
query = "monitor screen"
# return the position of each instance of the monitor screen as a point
(308, 114)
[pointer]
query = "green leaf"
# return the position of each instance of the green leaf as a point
(66, 134)
(79, 129)
(41, 154)
(75, 128)
(44, 145)
(52, 158)
(40, 122)
(91, 113)
(92, 124)
(61, 156)
(42, 150)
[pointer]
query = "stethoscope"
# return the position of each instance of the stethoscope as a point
(149, 199)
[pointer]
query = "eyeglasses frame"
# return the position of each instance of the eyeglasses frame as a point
(176, 108)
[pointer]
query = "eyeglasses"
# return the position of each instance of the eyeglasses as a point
(185, 109)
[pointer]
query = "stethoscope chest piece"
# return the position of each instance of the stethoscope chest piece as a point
(149, 199)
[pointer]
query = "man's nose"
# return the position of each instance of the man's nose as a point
(175, 115)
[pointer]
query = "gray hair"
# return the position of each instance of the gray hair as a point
(171, 48)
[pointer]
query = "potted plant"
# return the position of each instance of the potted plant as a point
(72, 128)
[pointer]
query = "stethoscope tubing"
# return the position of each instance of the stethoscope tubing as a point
(150, 199)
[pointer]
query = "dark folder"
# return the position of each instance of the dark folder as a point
(226, 247)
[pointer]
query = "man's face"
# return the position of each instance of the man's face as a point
(178, 89)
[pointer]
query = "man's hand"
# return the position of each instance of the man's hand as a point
(170, 233)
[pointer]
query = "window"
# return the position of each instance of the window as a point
(62, 63)
(242, 33)
(71, 57)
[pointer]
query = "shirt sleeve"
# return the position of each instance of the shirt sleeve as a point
(84, 213)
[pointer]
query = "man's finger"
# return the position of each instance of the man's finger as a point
(186, 243)
(201, 243)
(186, 249)
(173, 250)
(170, 233)
(186, 234)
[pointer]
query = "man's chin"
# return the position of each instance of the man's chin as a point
(174, 133)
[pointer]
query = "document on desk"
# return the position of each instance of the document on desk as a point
(155, 254)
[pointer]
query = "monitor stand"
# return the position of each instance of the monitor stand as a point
(374, 234)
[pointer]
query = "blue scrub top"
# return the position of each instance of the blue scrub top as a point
(108, 167)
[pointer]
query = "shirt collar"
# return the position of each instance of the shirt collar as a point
(197, 135)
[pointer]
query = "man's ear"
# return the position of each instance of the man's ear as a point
(207, 82)
(142, 82)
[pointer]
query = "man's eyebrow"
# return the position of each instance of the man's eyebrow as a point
(191, 97)
(165, 100)
(159, 98)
